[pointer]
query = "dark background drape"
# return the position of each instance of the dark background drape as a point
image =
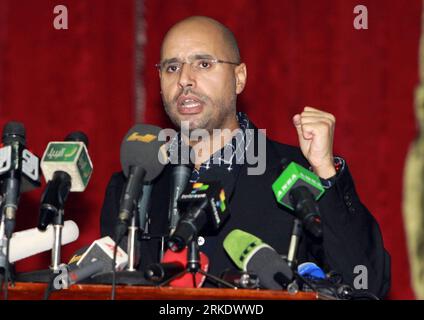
(298, 52)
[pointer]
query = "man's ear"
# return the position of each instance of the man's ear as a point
(241, 77)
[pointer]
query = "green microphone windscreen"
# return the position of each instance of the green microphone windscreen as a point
(240, 246)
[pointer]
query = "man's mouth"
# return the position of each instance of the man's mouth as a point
(189, 105)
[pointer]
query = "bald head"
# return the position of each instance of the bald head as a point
(193, 87)
(207, 27)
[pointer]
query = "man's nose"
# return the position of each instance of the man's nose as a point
(187, 76)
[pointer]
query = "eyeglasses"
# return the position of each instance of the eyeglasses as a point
(174, 66)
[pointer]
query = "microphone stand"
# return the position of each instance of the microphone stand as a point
(4, 264)
(297, 232)
(293, 287)
(55, 268)
(3, 243)
(194, 266)
(5, 267)
(57, 241)
(294, 244)
(132, 236)
(130, 276)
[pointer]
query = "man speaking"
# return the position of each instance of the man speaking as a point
(201, 75)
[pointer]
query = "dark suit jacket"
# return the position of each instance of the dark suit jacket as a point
(351, 236)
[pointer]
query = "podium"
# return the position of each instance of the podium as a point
(35, 291)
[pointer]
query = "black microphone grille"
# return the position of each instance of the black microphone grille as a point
(141, 147)
(78, 136)
(272, 269)
(14, 131)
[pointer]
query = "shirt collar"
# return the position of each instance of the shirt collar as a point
(234, 150)
(231, 155)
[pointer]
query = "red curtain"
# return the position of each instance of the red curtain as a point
(298, 52)
(59, 81)
(306, 52)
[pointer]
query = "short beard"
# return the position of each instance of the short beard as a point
(205, 123)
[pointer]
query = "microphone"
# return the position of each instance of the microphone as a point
(314, 278)
(174, 263)
(251, 254)
(98, 259)
(182, 167)
(77, 256)
(205, 209)
(67, 167)
(24, 244)
(17, 165)
(310, 270)
(159, 272)
(144, 206)
(299, 190)
(142, 160)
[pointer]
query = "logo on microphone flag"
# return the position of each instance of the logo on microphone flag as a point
(61, 152)
(147, 138)
(198, 186)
